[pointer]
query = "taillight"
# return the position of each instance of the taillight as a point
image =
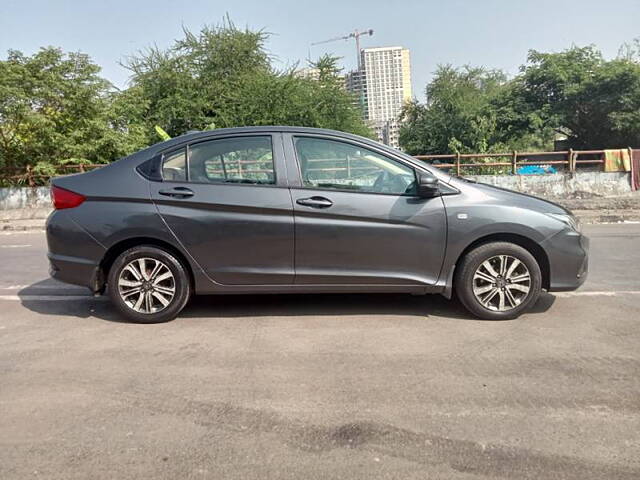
(62, 198)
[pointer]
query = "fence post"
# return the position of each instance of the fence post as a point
(81, 168)
(631, 170)
(572, 161)
(30, 181)
(458, 163)
(514, 162)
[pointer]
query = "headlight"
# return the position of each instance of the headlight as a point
(569, 220)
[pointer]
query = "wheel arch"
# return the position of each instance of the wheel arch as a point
(116, 249)
(527, 243)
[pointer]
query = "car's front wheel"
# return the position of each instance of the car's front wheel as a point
(498, 281)
(148, 285)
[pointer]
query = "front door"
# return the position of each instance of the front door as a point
(358, 221)
(227, 202)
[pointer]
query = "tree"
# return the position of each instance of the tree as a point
(575, 94)
(223, 76)
(593, 102)
(458, 115)
(54, 107)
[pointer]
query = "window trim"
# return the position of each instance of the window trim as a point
(302, 186)
(187, 148)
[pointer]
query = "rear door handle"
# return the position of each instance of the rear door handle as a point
(315, 202)
(178, 192)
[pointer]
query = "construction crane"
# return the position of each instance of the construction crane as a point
(356, 34)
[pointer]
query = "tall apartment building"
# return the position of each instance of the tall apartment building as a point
(384, 85)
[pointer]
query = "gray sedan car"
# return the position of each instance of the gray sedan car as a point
(301, 210)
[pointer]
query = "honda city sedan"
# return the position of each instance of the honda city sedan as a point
(284, 210)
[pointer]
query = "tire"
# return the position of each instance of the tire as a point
(473, 272)
(170, 276)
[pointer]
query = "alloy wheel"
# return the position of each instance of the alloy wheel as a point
(501, 283)
(146, 285)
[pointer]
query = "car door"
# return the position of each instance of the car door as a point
(227, 201)
(357, 218)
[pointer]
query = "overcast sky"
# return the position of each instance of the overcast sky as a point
(493, 33)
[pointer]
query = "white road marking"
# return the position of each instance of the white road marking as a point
(20, 232)
(43, 287)
(14, 246)
(49, 298)
(596, 294)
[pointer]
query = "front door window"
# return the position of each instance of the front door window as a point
(329, 164)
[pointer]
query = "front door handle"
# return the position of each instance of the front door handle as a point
(179, 192)
(315, 202)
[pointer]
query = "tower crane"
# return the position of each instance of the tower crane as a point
(356, 34)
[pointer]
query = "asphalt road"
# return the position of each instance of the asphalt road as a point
(320, 387)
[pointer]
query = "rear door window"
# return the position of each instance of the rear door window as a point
(233, 160)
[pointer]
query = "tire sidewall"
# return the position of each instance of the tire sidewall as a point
(182, 283)
(464, 279)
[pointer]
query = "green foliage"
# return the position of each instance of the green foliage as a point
(575, 94)
(457, 116)
(594, 102)
(54, 106)
(223, 76)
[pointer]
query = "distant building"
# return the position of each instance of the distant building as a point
(355, 82)
(384, 86)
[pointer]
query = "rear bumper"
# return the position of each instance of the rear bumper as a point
(74, 255)
(78, 271)
(568, 253)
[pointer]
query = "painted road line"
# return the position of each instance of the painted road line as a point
(49, 298)
(21, 232)
(603, 293)
(15, 246)
(44, 287)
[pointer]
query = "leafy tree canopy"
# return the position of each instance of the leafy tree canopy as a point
(223, 76)
(575, 94)
(55, 108)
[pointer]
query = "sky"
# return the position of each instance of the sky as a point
(491, 33)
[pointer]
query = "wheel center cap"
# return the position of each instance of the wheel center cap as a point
(500, 282)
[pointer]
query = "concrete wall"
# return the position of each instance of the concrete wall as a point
(563, 185)
(24, 197)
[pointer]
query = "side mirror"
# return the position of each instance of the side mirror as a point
(427, 186)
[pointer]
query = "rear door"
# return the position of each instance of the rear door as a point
(227, 201)
(357, 218)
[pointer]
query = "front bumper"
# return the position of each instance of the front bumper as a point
(568, 253)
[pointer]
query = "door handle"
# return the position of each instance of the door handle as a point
(178, 192)
(315, 202)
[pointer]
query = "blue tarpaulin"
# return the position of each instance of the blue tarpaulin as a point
(536, 170)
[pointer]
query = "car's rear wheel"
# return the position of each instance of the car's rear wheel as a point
(498, 281)
(148, 285)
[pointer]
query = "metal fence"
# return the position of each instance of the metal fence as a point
(28, 176)
(510, 162)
